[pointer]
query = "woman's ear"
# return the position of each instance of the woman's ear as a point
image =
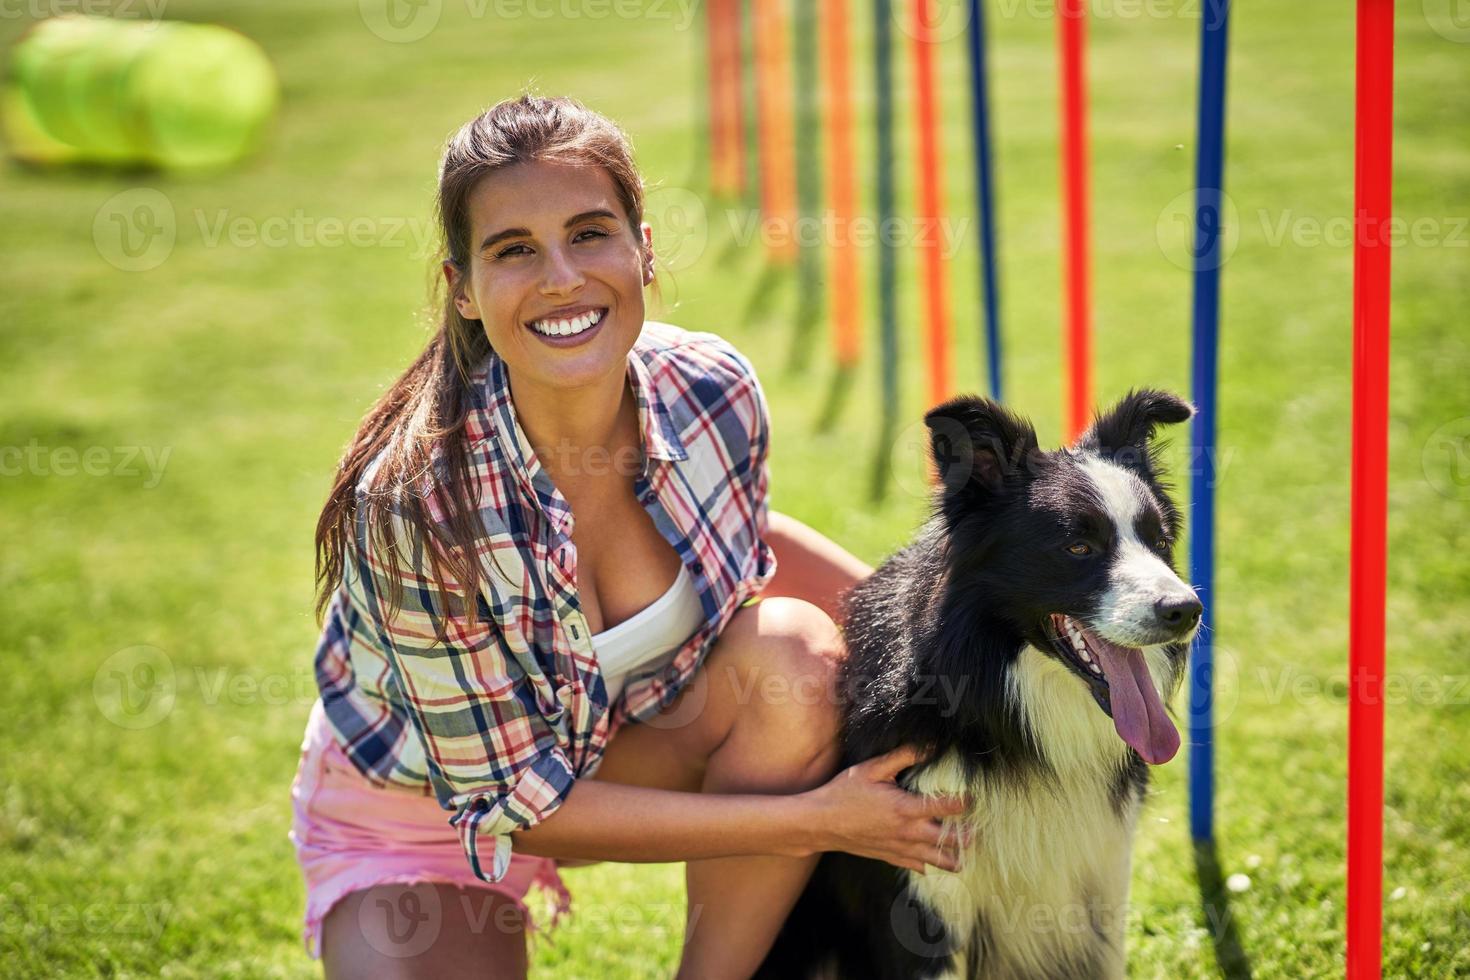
(464, 303)
(646, 232)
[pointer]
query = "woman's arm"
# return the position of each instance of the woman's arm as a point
(810, 565)
(861, 810)
(603, 821)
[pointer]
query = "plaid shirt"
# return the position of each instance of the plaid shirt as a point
(499, 722)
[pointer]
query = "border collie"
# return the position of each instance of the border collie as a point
(1042, 599)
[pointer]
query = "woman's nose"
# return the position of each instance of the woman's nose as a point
(560, 274)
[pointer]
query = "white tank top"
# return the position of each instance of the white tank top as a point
(648, 639)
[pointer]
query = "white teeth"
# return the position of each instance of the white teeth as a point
(1079, 644)
(566, 328)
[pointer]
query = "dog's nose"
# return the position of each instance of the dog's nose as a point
(1179, 613)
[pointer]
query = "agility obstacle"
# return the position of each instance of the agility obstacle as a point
(808, 184)
(1077, 336)
(1371, 309)
(929, 193)
(774, 127)
(726, 109)
(1372, 211)
(887, 251)
(841, 183)
(985, 192)
(1208, 255)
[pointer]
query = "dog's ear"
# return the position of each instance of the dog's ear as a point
(1125, 433)
(977, 444)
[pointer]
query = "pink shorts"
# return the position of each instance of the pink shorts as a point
(350, 835)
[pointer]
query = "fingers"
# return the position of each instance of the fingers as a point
(946, 805)
(943, 858)
(935, 845)
(928, 857)
(930, 843)
(955, 838)
(889, 765)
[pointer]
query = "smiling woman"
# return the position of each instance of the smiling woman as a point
(522, 279)
(540, 563)
(571, 283)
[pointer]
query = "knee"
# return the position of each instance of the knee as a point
(787, 674)
(802, 644)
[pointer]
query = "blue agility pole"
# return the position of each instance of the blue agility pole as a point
(980, 108)
(1208, 255)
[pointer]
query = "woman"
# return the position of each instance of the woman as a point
(540, 562)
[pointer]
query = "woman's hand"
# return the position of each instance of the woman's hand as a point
(863, 811)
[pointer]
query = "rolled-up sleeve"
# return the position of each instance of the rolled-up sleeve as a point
(491, 756)
(487, 817)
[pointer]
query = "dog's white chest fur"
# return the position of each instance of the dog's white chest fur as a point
(1048, 873)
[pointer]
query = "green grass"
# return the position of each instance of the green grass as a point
(162, 850)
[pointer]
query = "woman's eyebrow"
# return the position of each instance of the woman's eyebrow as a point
(526, 233)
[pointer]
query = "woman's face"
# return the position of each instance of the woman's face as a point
(550, 247)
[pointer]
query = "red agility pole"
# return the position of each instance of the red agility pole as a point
(925, 17)
(1076, 340)
(1373, 208)
(841, 180)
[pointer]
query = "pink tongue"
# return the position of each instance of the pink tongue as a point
(1138, 713)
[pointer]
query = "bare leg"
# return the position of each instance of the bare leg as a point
(760, 715)
(737, 905)
(422, 932)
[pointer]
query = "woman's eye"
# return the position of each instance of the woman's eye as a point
(1079, 548)
(511, 249)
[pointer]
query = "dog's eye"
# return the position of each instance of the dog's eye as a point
(1079, 548)
(1162, 544)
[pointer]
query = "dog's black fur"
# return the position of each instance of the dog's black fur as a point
(932, 637)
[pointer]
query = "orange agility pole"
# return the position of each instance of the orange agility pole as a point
(1373, 209)
(841, 181)
(925, 19)
(1076, 341)
(776, 137)
(727, 126)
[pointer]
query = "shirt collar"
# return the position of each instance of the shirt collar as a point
(660, 435)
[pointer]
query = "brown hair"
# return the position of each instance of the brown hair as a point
(420, 422)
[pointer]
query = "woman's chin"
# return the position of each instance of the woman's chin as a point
(577, 368)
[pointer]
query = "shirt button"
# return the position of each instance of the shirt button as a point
(697, 568)
(481, 805)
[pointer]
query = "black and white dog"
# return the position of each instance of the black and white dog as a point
(1042, 598)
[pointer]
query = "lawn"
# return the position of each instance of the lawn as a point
(170, 432)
